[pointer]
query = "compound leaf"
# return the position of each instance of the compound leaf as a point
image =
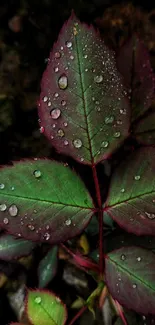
(130, 277)
(43, 200)
(83, 109)
(48, 267)
(13, 248)
(131, 198)
(133, 62)
(44, 308)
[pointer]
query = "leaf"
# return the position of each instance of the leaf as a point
(133, 62)
(48, 267)
(130, 277)
(131, 198)
(83, 110)
(144, 131)
(43, 200)
(13, 248)
(44, 308)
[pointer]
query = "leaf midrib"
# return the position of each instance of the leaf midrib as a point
(126, 201)
(46, 201)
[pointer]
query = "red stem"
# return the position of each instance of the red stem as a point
(81, 311)
(100, 215)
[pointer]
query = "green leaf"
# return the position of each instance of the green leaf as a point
(44, 308)
(130, 277)
(48, 267)
(144, 130)
(131, 198)
(13, 248)
(83, 109)
(43, 200)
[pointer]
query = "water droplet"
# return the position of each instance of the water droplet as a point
(45, 99)
(61, 48)
(66, 142)
(37, 173)
(137, 177)
(60, 133)
(150, 215)
(56, 69)
(13, 210)
(65, 124)
(105, 144)
(139, 258)
(68, 222)
(47, 227)
(153, 200)
(55, 113)
(49, 104)
(12, 188)
(63, 102)
(134, 286)
(122, 190)
(6, 221)
(123, 257)
(42, 129)
(3, 207)
(37, 300)
(69, 44)
(2, 186)
(31, 227)
(72, 57)
(63, 82)
(117, 134)
(123, 111)
(98, 79)
(109, 119)
(56, 95)
(57, 55)
(46, 236)
(85, 56)
(82, 159)
(53, 126)
(77, 143)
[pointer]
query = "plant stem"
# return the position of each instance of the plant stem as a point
(100, 220)
(81, 311)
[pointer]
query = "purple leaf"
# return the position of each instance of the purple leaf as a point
(130, 277)
(83, 110)
(131, 199)
(133, 62)
(43, 200)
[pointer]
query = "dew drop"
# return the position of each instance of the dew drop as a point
(45, 99)
(37, 300)
(98, 79)
(57, 55)
(77, 143)
(123, 111)
(42, 129)
(56, 69)
(3, 207)
(63, 82)
(109, 119)
(134, 286)
(105, 144)
(63, 102)
(31, 227)
(66, 142)
(150, 215)
(139, 258)
(69, 44)
(46, 236)
(56, 95)
(2, 186)
(60, 133)
(12, 188)
(117, 134)
(65, 124)
(6, 221)
(68, 222)
(82, 159)
(72, 57)
(137, 177)
(122, 190)
(13, 210)
(55, 113)
(123, 257)
(85, 56)
(37, 173)
(49, 104)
